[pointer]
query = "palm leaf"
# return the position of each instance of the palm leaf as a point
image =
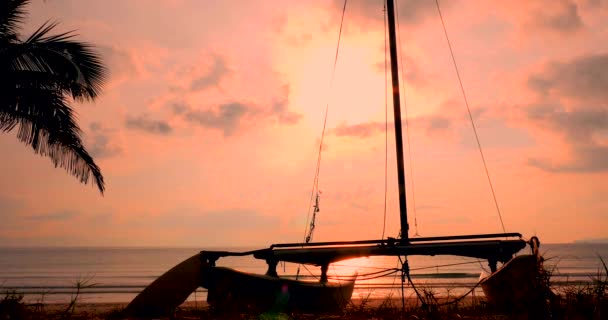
(46, 123)
(77, 68)
(12, 14)
(37, 77)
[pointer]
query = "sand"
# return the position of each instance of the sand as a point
(198, 309)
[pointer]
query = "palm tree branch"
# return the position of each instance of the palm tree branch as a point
(12, 14)
(36, 77)
(51, 131)
(71, 62)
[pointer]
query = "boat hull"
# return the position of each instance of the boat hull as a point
(229, 288)
(516, 285)
(167, 292)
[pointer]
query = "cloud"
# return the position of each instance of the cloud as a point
(212, 77)
(144, 123)
(53, 216)
(410, 12)
(442, 122)
(412, 72)
(584, 78)
(121, 64)
(571, 106)
(559, 16)
(360, 130)
(596, 4)
(231, 117)
(588, 159)
(581, 130)
(101, 145)
(179, 107)
(438, 122)
(226, 117)
(433, 124)
(577, 125)
(569, 103)
(279, 108)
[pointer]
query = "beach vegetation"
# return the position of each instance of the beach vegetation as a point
(570, 300)
(42, 76)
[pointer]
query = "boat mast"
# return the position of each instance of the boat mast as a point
(390, 10)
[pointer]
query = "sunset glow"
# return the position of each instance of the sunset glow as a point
(208, 129)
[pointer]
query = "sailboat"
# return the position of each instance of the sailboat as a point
(232, 288)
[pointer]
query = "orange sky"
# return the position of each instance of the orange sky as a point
(208, 127)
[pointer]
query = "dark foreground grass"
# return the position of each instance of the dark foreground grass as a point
(587, 300)
(577, 302)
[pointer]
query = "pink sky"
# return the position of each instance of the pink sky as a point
(208, 127)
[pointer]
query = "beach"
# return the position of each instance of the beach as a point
(116, 275)
(583, 307)
(458, 156)
(358, 309)
(110, 278)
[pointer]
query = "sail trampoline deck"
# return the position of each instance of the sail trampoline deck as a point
(497, 247)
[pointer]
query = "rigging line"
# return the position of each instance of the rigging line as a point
(466, 102)
(315, 184)
(340, 283)
(414, 269)
(370, 274)
(455, 300)
(333, 74)
(356, 266)
(394, 278)
(402, 282)
(385, 124)
(406, 273)
(407, 127)
(445, 265)
(386, 274)
(311, 274)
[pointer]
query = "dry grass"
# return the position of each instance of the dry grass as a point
(570, 301)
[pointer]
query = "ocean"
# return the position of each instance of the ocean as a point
(116, 275)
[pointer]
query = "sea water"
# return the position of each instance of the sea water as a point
(51, 275)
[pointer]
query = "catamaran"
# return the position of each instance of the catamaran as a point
(229, 287)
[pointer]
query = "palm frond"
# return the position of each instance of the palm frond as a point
(12, 14)
(36, 77)
(76, 66)
(46, 123)
(42, 31)
(88, 72)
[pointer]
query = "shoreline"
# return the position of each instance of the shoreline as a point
(355, 303)
(470, 307)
